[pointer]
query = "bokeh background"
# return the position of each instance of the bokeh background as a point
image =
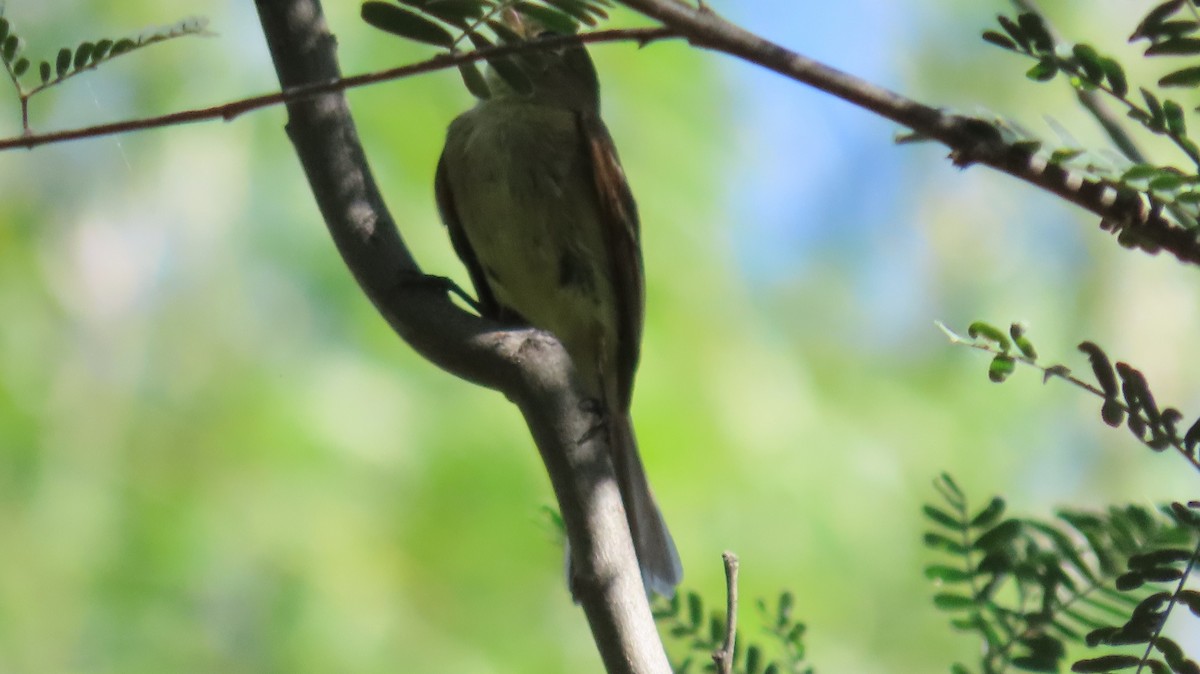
(214, 456)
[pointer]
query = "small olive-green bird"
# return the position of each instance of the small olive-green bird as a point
(537, 207)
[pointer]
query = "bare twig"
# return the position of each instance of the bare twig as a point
(228, 111)
(723, 658)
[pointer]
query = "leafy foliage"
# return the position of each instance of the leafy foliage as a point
(1168, 30)
(484, 23)
(1127, 399)
(1029, 588)
(72, 61)
(685, 620)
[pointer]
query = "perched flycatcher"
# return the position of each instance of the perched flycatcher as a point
(537, 207)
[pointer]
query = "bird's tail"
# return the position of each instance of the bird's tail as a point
(656, 553)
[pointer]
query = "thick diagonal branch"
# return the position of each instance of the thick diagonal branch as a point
(1135, 217)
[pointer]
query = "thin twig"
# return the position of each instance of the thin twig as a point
(1183, 579)
(723, 658)
(228, 111)
(1062, 372)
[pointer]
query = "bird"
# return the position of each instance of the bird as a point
(537, 207)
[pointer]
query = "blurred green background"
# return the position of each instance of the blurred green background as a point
(214, 456)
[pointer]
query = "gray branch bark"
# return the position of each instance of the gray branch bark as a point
(1136, 218)
(529, 367)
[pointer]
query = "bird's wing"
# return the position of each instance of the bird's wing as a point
(623, 239)
(488, 305)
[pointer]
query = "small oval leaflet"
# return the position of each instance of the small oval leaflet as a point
(393, 19)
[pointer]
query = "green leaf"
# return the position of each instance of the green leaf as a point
(1151, 25)
(1174, 116)
(9, 49)
(62, 65)
(1115, 75)
(1106, 663)
(1000, 40)
(1058, 157)
(1033, 26)
(4, 28)
(989, 332)
(454, 12)
(1112, 412)
(83, 55)
(121, 46)
(474, 80)
(988, 516)
(1178, 27)
(1188, 77)
(999, 537)
(716, 629)
(1014, 31)
(952, 602)
(101, 50)
(1129, 581)
(949, 489)
(1166, 182)
(1154, 108)
(1139, 172)
(401, 22)
(1190, 599)
(1044, 71)
(943, 518)
(550, 19)
(944, 543)
(695, 610)
(1089, 61)
(1102, 368)
(577, 9)
(946, 574)
(1001, 367)
(44, 71)
(20, 66)
(1056, 371)
(753, 659)
(1192, 437)
(783, 615)
(1177, 46)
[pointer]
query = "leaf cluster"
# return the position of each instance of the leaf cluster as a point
(484, 23)
(685, 620)
(1029, 588)
(1089, 69)
(1125, 393)
(80, 58)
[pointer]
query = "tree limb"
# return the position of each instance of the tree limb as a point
(528, 366)
(1135, 217)
(233, 109)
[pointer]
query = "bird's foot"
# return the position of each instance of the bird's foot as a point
(409, 280)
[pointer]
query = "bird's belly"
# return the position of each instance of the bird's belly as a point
(537, 234)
